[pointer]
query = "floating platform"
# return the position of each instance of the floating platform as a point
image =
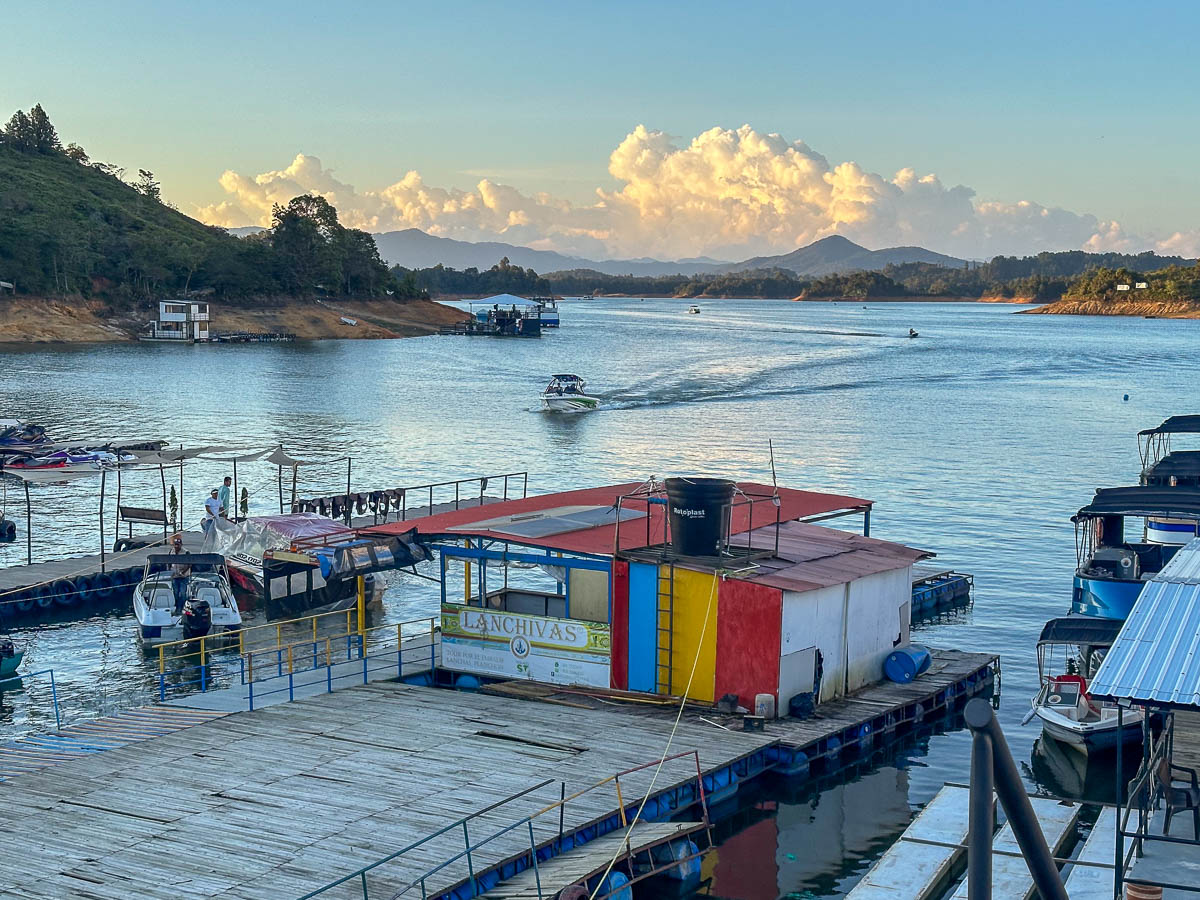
(286, 799)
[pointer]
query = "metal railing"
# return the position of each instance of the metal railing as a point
(381, 503)
(470, 849)
(53, 689)
(355, 655)
(210, 661)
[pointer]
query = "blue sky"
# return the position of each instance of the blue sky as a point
(1089, 107)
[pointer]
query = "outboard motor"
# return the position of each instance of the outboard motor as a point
(197, 619)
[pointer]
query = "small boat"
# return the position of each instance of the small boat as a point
(10, 657)
(567, 393)
(694, 310)
(1067, 711)
(184, 596)
(21, 435)
(913, 334)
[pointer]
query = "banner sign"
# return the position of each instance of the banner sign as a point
(514, 645)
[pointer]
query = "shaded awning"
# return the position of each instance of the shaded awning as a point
(1169, 502)
(1175, 425)
(280, 457)
(1181, 464)
(1092, 631)
(1156, 657)
(53, 474)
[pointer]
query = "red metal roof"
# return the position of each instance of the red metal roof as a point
(600, 540)
(812, 557)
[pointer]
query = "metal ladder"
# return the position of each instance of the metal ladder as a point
(664, 622)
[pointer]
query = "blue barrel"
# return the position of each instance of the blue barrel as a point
(616, 887)
(905, 664)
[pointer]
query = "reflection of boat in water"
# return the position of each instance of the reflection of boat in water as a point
(1110, 571)
(567, 393)
(184, 596)
(10, 656)
(1075, 647)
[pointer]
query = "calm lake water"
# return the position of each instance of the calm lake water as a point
(978, 441)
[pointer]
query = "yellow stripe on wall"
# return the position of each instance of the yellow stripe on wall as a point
(693, 591)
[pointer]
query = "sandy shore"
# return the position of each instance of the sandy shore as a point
(1101, 306)
(26, 320)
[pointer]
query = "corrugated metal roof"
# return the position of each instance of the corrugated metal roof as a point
(812, 557)
(1156, 657)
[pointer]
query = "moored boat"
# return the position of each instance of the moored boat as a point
(184, 596)
(10, 657)
(567, 393)
(1163, 466)
(1070, 650)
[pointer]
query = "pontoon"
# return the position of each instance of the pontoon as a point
(184, 596)
(1070, 651)
(1164, 467)
(1111, 571)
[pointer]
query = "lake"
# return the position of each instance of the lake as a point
(977, 440)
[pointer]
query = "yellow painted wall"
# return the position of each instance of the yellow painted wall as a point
(693, 591)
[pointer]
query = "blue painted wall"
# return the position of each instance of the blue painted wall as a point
(643, 639)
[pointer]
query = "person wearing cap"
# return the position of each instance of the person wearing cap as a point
(212, 509)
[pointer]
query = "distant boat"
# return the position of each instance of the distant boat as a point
(694, 310)
(567, 393)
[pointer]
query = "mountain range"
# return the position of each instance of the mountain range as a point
(414, 249)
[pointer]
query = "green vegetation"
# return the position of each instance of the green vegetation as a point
(70, 226)
(1177, 283)
(502, 278)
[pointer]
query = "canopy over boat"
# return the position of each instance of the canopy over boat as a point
(1151, 500)
(1089, 631)
(186, 559)
(1180, 463)
(1175, 425)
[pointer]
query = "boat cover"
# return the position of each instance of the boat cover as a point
(1175, 425)
(1170, 502)
(261, 533)
(1092, 631)
(1181, 463)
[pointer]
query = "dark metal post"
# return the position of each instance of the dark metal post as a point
(280, 485)
(980, 718)
(181, 506)
(349, 504)
(867, 522)
(28, 527)
(1118, 868)
(234, 497)
(162, 476)
(103, 474)
(979, 818)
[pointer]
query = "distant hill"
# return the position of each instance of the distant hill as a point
(414, 249)
(835, 254)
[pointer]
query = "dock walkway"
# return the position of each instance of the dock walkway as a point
(277, 802)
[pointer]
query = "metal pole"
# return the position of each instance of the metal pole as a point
(980, 718)
(281, 485)
(1120, 851)
(979, 837)
(162, 477)
(295, 469)
(234, 498)
(103, 473)
(28, 527)
(349, 504)
(181, 506)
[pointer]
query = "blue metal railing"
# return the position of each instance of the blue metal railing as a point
(53, 690)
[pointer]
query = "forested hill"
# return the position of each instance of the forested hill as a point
(70, 226)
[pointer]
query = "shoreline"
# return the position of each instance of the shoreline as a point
(26, 321)
(1102, 306)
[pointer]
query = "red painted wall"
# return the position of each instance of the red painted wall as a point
(748, 635)
(620, 625)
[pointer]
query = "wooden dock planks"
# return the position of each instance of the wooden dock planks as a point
(593, 858)
(924, 858)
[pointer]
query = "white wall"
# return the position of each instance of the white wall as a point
(854, 626)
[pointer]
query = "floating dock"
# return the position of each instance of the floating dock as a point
(280, 801)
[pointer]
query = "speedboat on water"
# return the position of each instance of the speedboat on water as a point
(184, 596)
(1110, 570)
(567, 393)
(1070, 650)
(694, 310)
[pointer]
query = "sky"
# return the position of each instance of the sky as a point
(644, 129)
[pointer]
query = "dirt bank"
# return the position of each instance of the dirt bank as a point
(27, 320)
(1102, 306)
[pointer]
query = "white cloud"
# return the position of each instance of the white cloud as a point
(728, 193)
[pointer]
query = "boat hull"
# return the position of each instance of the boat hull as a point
(1104, 597)
(9, 664)
(569, 404)
(1176, 532)
(1089, 739)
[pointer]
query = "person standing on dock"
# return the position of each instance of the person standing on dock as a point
(212, 509)
(223, 496)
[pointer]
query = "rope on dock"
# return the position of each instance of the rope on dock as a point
(116, 557)
(667, 749)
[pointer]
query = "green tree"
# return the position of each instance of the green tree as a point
(147, 186)
(77, 153)
(42, 133)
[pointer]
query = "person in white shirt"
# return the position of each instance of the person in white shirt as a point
(212, 509)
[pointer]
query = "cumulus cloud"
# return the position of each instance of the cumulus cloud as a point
(727, 192)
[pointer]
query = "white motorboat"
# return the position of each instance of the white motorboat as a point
(567, 393)
(184, 596)
(694, 310)
(1067, 711)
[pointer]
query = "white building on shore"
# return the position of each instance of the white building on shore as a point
(179, 320)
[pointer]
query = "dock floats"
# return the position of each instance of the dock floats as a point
(284, 800)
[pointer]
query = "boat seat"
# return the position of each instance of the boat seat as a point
(161, 598)
(211, 595)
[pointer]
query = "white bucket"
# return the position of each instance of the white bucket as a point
(764, 705)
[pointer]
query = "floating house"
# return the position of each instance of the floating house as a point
(633, 587)
(179, 320)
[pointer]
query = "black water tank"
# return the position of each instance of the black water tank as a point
(696, 506)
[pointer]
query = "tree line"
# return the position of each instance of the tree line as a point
(72, 226)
